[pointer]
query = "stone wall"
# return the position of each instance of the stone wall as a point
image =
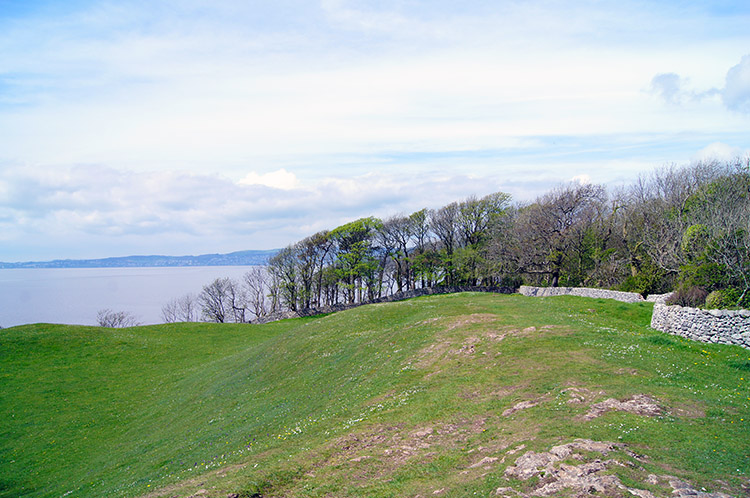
(399, 296)
(658, 298)
(719, 326)
(627, 297)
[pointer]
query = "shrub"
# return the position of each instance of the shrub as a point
(688, 296)
(725, 298)
(709, 276)
(716, 300)
(646, 282)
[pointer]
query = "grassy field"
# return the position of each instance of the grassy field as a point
(436, 396)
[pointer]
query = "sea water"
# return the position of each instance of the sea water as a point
(75, 295)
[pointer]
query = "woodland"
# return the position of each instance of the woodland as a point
(680, 228)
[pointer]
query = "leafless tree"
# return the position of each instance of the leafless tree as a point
(169, 312)
(661, 209)
(115, 319)
(181, 309)
(236, 301)
(256, 283)
(214, 303)
(721, 212)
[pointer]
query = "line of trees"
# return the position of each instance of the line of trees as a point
(684, 228)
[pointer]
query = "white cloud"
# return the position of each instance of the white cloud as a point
(736, 93)
(281, 179)
(582, 179)
(675, 89)
(721, 152)
(669, 86)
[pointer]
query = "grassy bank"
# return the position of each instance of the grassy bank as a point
(397, 399)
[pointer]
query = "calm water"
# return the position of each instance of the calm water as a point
(75, 295)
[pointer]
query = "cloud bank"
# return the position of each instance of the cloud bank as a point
(208, 126)
(91, 206)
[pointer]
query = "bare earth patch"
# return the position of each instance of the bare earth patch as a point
(386, 448)
(463, 321)
(639, 404)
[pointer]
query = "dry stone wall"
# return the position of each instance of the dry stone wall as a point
(627, 297)
(718, 326)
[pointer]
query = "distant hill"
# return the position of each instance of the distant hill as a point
(238, 258)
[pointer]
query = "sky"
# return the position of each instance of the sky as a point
(189, 126)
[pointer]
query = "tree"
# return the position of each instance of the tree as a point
(236, 301)
(444, 224)
(356, 260)
(214, 301)
(283, 267)
(256, 282)
(182, 309)
(717, 244)
(552, 232)
(476, 215)
(395, 236)
(115, 319)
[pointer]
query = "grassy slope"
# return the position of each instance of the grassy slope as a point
(330, 406)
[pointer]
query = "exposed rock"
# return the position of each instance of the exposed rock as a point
(422, 432)
(589, 477)
(521, 406)
(639, 404)
(483, 461)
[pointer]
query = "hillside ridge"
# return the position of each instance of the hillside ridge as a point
(470, 394)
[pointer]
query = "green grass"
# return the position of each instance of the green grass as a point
(325, 406)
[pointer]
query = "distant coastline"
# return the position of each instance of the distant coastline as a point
(238, 258)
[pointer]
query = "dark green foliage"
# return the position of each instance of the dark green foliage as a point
(650, 279)
(707, 275)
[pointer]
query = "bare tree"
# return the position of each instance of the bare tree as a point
(181, 309)
(721, 216)
(115, 319)
(662, 206)
(236, 301)
(213, 301)
(256, 283)
(169, 312)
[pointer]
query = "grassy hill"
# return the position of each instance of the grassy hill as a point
(458, 395)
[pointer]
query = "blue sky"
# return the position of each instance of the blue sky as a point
(191, 126)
